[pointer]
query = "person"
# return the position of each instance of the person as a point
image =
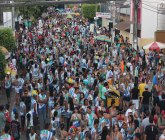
(22, 113)
(104, 134)
(63, 133)
(15, 128)
(76, 118)
(42, 100)
(116, 134)
(32, 134)
(55, 122)
(145, 121)
(2, 118)
(161, 121)
(94, 131)
(46, 134)
(162, 136)
(5, 134)
(8, 87)
(129, 111)
(141, 87)
(135, 96)
(28, 122)
(151, 131)
(144, 104)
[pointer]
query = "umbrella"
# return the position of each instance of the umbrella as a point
(154, 46)
(4, 50)
(69, 16)
(102, 38)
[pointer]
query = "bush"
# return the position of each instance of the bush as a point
(7, 39)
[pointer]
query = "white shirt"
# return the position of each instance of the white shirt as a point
(14, 62)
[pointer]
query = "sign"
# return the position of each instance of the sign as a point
(103, 15)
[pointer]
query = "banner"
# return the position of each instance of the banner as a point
(103, 15)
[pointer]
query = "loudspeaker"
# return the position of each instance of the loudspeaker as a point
(17, 25)
(110, 25)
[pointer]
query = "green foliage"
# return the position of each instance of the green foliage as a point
(2, 65)
(7, 39)
(89, 10)
(31, 11)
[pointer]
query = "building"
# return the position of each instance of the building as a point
(151, 20)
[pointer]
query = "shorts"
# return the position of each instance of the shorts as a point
(17, 90)
(136, 103)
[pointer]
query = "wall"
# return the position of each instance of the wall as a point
(149, 22)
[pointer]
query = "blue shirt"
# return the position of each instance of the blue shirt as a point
(155, 80)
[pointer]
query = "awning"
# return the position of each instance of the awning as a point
(123, 25)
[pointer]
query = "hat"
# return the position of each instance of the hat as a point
(8, 72)
(34, 93)
(124, 74)
(146, 87)
(72, 129)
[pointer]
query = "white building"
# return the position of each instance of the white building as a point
(151, 18)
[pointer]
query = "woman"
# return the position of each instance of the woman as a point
(131, 127)
(116, 135)
(101, 106)
(63, 133)
(105, 135)
(76, 118)
(81, 101)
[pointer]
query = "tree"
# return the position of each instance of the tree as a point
(31, 11)
(89, 10)
(2, 65)
(7, 39)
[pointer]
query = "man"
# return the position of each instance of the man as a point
(15, 128)
(145, 122)
(135, 96)
(151, 130)
(145, 100)
(142, 87)
(46, 134)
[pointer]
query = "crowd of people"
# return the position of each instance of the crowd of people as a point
(63, 85)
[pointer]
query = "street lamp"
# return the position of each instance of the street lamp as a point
(13, 15)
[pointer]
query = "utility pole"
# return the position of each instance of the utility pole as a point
(135, 25)
(13, 16)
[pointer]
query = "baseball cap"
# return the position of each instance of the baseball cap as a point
(146, 87)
